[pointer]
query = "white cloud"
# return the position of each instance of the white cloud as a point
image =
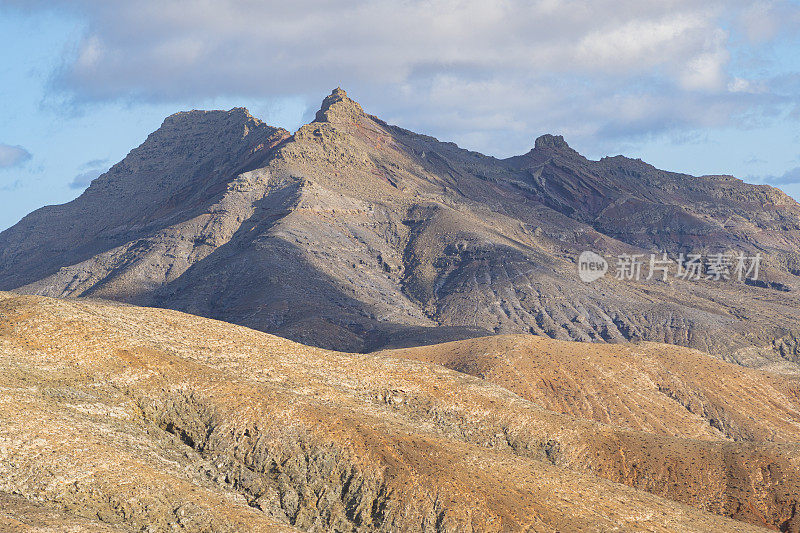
(160, 49)
(705, 71)
(11, 156)
(469, 69)
(764, 20)
(740, 85)
(90, 54)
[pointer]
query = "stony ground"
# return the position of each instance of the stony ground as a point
(134, 419)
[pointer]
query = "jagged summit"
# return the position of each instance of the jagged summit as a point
(554, 143)
(337, 106)
(194, 115)
(213, 125)
(550, 141)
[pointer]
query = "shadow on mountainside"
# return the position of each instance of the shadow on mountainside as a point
(267, 284)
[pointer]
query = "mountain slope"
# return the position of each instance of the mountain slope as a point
(663, 209)
(354, 234)
(140, 416)
(159, 201)
(649, 387)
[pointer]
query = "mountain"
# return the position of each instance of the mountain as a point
(122, 418)
(357, 235)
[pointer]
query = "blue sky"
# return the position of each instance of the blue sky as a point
(710, 87)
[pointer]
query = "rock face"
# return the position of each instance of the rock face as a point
(354, 234)
(119, 418)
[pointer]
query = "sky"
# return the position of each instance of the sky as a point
(708, 87)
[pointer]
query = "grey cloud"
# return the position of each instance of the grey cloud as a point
(94, 164)
(754, 160)
(12, 156)
(789, 177)
(91, 170)
(82, 180)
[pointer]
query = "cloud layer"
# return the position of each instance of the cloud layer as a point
(489, 74)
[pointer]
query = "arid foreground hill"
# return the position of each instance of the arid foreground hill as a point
(356, 235)
(120, 418)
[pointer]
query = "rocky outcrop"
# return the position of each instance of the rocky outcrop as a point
(338, 107)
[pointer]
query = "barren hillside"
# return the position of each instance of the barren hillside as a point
(650, 387)
(123, 417)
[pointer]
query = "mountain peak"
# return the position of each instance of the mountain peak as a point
(551, 141)
(338, 107)
(338, 93)
(213, 120)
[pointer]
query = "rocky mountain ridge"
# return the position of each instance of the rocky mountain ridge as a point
(355, 234)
